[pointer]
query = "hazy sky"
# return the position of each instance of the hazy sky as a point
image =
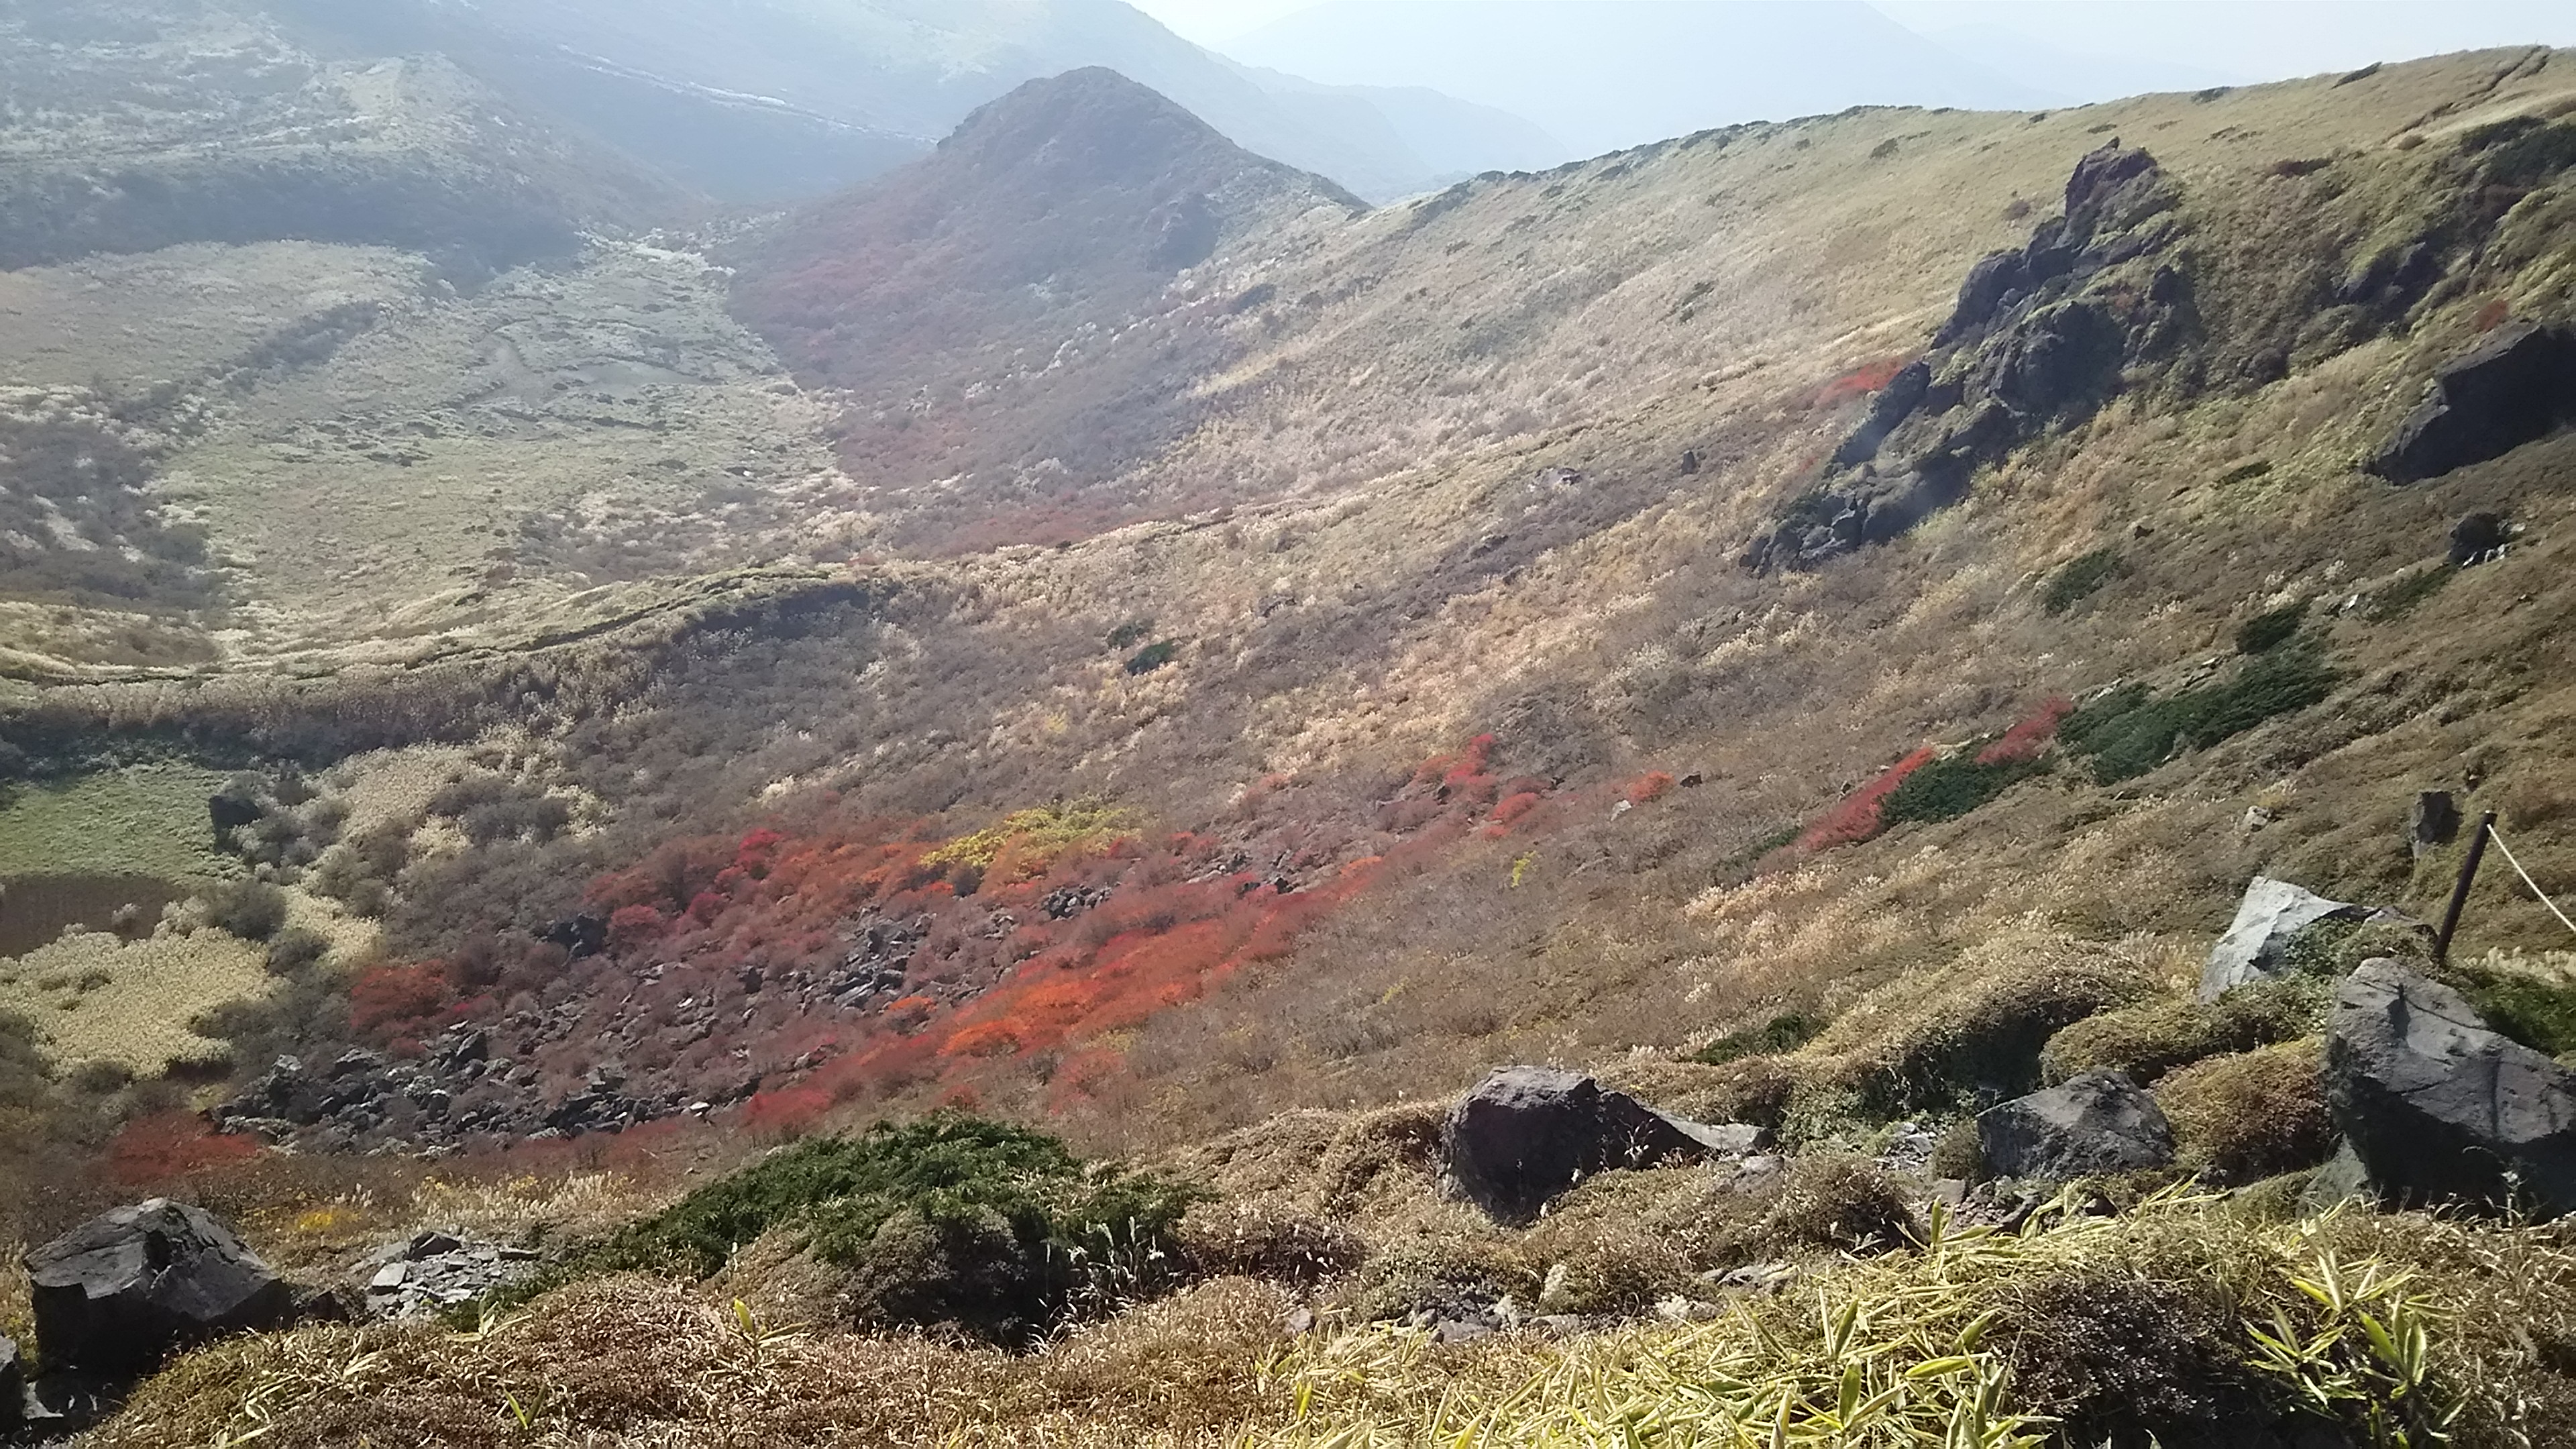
(2243, 39)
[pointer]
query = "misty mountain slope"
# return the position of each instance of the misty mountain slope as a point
(1603, 77)
(1015, 321)
(134, 127)
(787, 98)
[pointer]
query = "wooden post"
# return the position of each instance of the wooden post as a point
(2460, 892)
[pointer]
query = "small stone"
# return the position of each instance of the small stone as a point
(388, 1278)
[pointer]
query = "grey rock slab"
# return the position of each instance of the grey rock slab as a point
(2093, 1122)
(120, 1292)
(2437, 1107)
(2271, 912)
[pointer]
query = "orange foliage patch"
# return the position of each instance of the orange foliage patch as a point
(2027, 739)
(1858, 816)
(171, 1146)
(1861, 381)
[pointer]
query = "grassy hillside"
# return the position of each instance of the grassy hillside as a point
(1413, 703)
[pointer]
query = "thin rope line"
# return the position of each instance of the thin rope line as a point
(2498, 837)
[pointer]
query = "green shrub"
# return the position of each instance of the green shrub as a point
(2270, 629)
(2132, 730)
(296, 949)
(1951, 787)
(2534, 1009)
(1153, 657)
(2400, 598)
(1130, 634)
(1784, 1033)
(953, 1220)
(2079, 579)
(2153, 1038)
(249, 909)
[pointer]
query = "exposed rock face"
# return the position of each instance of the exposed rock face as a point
(2095, 1122)
(2434, 821)
(13, 1386)
(120, 1292)
(2516, 385)
(2271, 913)
(1526, 1134)
(440, 1270)
(2437, 1107)
(2039, 337)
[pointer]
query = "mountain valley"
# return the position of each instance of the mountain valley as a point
(537, 699)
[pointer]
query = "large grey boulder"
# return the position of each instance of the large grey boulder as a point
(1526, 1134)
(118, 1293)
(13, 1386)
(2256, 943)
(2093, 1122)
(2437, 1107)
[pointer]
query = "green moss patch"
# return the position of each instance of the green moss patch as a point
(2133, 730)
(1784, 1033)
(2079, 579)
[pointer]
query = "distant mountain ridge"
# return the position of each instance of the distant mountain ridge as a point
(770, 100)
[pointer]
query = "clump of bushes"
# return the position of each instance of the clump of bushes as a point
(1153, 656)
(490, 809)
(2271, 629)
(1952, 786)
(2132, 730)
(1783, 1033)
(2152, 1038)
(2251, 1115)
(992, 1230)
(2079, 579)
(2530, 999)
(252, 910)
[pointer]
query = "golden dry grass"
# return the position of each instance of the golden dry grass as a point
(94, 996)
(1892, 1350)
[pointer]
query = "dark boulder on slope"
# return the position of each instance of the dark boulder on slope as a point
(1526, 1134)
(2515, 386)
(13, 1386)
(2437, 1107)
(2094, 1122)
(119, 1293)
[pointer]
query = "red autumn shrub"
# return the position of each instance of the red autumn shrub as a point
(387, 996)
(169, 1146)
(1857, 816)
(1650, 788)
(1861, 381)
(2027, 739)
(2492, 315)
(1515, 806)
(630, 927)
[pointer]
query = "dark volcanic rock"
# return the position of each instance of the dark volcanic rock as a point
(118, 1293)
(579, 936)
(2039, 338)
(1526, 1134)
(2478, 537)
(2440, 1109)
(2516, 385)
(13, 1385)
(2093, 1122)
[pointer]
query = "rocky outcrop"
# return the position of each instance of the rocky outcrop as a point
(434, 1270)
(2092, 1123)
(2269, 916)
(2437, 1107)
(2518, 384)
(2039, 337)
(1526, 1134)
(120, 1292)
(2478, 537)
